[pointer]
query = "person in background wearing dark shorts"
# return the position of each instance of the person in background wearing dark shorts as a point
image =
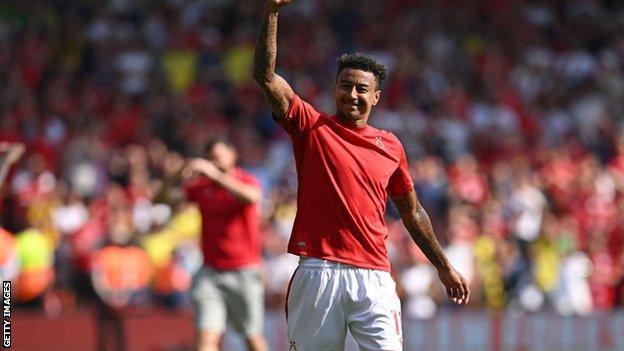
(229, 285)
(346, 171)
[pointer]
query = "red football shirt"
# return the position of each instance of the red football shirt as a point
(345, 176)
(230, 228)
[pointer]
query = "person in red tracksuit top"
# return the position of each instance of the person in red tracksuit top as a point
(346, 171)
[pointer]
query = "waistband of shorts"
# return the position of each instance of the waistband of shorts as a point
(250, 267)
(313, 262)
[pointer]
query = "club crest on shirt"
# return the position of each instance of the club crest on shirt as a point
(379, 143)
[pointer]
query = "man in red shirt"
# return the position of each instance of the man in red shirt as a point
(229, 283)
(346, 171)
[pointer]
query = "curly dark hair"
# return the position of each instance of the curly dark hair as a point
(365, 63)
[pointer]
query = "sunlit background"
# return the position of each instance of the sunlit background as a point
(511, 113)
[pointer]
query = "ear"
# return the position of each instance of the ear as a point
(376, 97)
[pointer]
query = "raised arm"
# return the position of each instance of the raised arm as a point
(277, 91)
(173, 195)
(242, 191)
(13, 154)
(419, 226)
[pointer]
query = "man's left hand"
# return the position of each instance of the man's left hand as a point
(456, 286)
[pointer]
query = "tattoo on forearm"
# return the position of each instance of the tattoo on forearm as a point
(421, 231)
(266, 47)
(265, 57)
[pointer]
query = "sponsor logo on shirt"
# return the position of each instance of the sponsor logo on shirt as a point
(379, 143)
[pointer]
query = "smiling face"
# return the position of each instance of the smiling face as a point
(356, 92)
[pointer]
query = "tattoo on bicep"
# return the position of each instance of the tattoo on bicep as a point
(276, 106)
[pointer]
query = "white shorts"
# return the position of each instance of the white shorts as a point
(325, 298)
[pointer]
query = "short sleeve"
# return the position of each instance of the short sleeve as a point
(401, 181)
(299, 117)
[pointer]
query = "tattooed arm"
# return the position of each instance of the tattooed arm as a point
(277, 91)
(419, 226)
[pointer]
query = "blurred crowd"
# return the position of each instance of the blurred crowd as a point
(511, 113)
